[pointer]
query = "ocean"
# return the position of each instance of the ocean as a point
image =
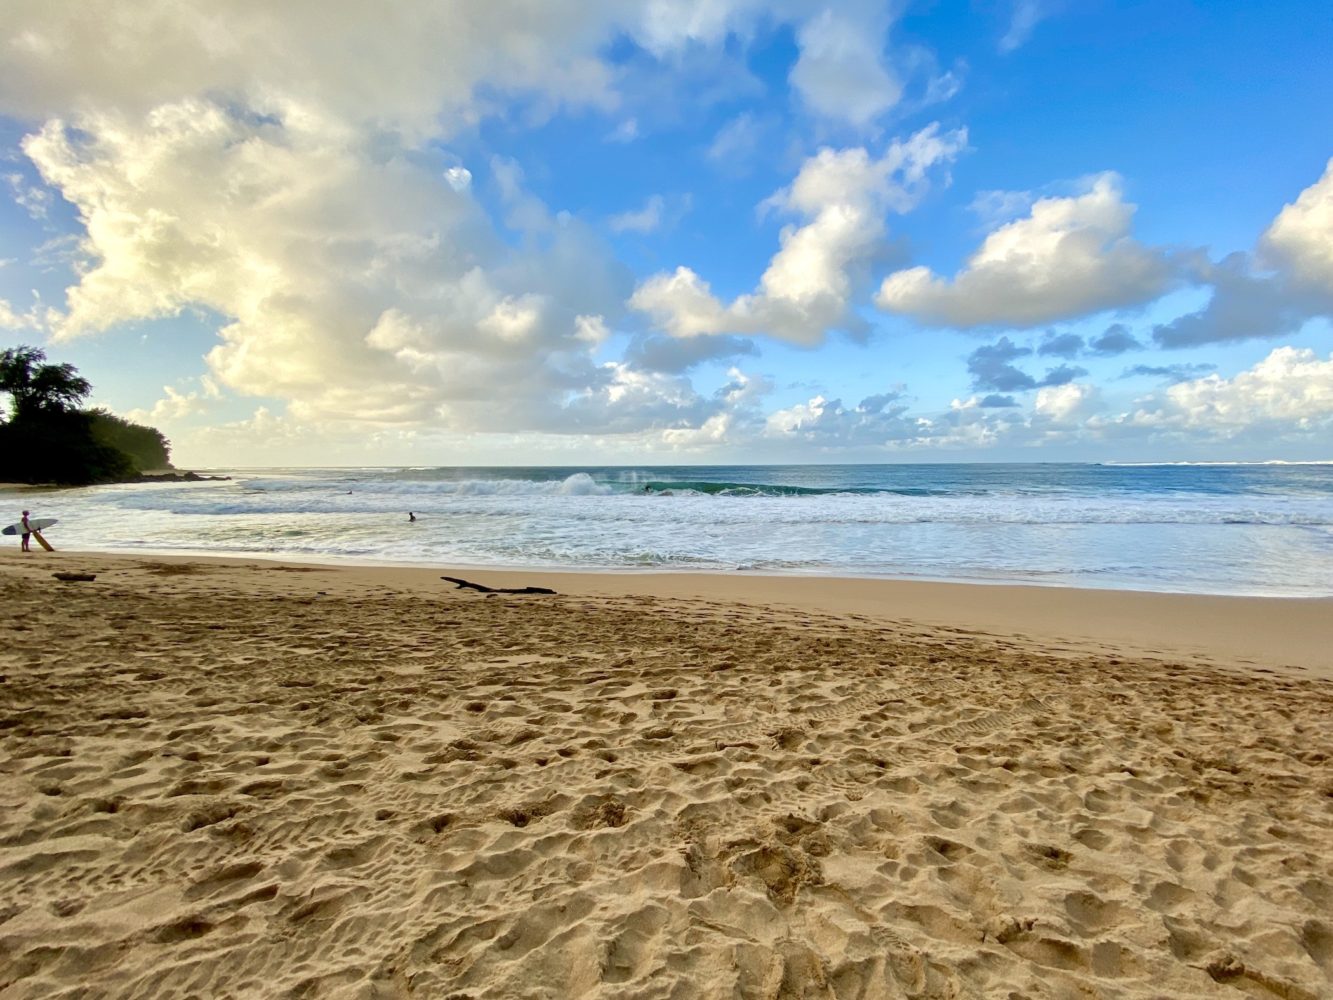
(1214, 529)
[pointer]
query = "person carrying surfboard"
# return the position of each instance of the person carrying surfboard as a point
(28, 528)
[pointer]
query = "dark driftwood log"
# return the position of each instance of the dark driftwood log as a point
(75, 577)
(465, 585)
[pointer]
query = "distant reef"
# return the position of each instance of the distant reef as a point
(171, 477)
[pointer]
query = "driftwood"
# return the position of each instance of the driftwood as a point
(465, 585)
(75, 577)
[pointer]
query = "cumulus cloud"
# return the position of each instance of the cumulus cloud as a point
(176, 404)
(1291, 390)
(843, 196)
(239, 167)
(1068, 257)
(1066, 402)
(738, 417)
(1274, 291)
(827, 423)
(355, 285)
(66, 54)
(1299, 243)
(1287, 397)
(12, 319)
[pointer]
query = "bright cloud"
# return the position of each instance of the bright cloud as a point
(12, 319)
(1065, 403)
(1300, 240)
(1291, 389)
(843, 195)
(242, 168)
(325, 256)
(1069, 257)
(876, 421)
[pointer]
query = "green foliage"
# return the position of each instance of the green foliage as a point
(58, 447)
(48, 440)
(145, 446)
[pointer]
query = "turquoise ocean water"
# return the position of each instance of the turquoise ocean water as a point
(1233, 529)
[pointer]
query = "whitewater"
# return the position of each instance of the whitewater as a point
(1233, 529)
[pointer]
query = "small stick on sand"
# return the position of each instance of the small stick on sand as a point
(465, 585)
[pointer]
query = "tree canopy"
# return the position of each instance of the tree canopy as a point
(35, 387)
(47, 439)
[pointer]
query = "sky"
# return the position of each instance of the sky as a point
(569, 232)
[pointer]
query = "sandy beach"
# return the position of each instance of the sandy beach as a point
(240, 778)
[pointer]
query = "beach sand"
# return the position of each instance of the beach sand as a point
(232, 778)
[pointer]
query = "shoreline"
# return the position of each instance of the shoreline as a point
(1288, 634)
(377, 562)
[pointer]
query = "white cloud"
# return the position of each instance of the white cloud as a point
(1291, 389)
(173, 406)
(12, 319)
(811, 281)
(1300, 240)
(1068, 257)
(441, 67)
(1285, 401)
(224, 158)
(1063, 404)
(841, 72)
(643, 220)
(67, 54)
(875, 421)
(357, 287)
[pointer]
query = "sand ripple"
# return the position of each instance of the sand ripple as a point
(301, 790)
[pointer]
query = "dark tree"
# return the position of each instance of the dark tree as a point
(47, 439)
(37, 388)
(145, 446)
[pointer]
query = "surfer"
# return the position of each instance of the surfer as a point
(27, 532)
(411, 516)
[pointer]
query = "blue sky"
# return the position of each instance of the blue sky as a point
(680, 231)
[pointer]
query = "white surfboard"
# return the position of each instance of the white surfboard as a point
(34, 524)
